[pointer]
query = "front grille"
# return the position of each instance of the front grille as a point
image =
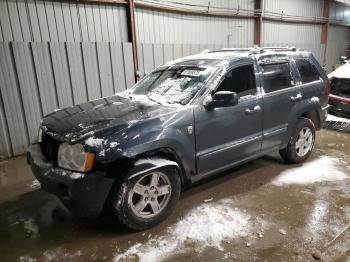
(49, 147)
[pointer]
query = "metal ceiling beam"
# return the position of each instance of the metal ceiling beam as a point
(324, 32)
(257, 22)
(132, 35)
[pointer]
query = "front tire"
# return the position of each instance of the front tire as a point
(301, 143)
(143, 201)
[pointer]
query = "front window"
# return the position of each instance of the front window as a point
(240, 80)
(173, 85)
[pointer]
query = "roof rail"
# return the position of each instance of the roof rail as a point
(279, 48)
(256, 50)
(232, 50)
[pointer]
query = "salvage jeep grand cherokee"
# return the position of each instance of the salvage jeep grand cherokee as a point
(134, 152)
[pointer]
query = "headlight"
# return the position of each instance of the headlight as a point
(74, 157)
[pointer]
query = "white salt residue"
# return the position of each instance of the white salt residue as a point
(337, 119)
(31, 227)
(314, 99)
(27, 259)
(98, 106)
(207, 225)
(35, 184)
(322, 169)
(84, 125)
(58, 254)
(76, 175)
(137, 136)
(113, 144)
(102, 152)
(91, 141)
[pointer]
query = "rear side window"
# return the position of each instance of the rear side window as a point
(277, 77)
(307, 71)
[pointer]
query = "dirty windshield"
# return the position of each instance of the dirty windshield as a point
(174, 85)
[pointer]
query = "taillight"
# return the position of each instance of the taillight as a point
(328, 89)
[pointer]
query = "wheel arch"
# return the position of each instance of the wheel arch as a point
(314, 116)
(127, 164)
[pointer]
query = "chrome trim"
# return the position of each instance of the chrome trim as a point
(281, 91)
(229, 145)
(276, 130)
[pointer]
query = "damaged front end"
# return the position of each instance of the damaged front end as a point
(84, 194)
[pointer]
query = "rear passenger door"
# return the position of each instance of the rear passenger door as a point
(281, 95)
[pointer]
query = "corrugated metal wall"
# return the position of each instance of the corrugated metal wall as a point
(169, 28)
(338, 38)
(29, 20)
(55, 54)
(38, 77)
(309, 8)
(339, 12)
(300, 35)
(337, 42)
(303, 36)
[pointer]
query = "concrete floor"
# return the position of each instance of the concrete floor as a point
(262, 211)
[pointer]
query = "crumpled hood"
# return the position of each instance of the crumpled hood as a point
(89, 119)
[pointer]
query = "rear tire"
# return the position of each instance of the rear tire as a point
(144, 201)
(301, 143)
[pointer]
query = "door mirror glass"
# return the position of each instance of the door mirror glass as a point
(221, 99)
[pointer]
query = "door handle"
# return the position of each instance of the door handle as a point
(255, 110)
(296, 98)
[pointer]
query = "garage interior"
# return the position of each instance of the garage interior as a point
(56, 54)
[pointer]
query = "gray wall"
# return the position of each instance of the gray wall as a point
(337, 42)
(29, 20)
(38, 77)
(55, 54)
(170, 28)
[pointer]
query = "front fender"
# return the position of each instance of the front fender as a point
(145, 165)
(177, 140)
(132, 145)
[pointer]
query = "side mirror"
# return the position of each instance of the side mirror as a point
(221, 99)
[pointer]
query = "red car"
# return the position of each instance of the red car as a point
(339, 99)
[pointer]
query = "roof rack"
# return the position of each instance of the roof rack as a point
(257, 50)
(280, 48)
(232, 50)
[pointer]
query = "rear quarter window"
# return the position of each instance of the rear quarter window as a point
(307, 71)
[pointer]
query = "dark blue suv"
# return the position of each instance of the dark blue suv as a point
(133, 153)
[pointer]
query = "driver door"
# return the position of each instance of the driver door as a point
(227, 135)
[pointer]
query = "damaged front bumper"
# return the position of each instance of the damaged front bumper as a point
(84, 194)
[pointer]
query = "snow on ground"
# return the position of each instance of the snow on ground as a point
(59, 254)
(206, 225)
(337, 119)
(322, 169)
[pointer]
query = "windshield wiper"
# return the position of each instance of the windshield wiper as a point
(152, 99)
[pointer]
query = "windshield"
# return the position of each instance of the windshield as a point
(173, 85)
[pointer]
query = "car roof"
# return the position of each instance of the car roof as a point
(228, 55)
